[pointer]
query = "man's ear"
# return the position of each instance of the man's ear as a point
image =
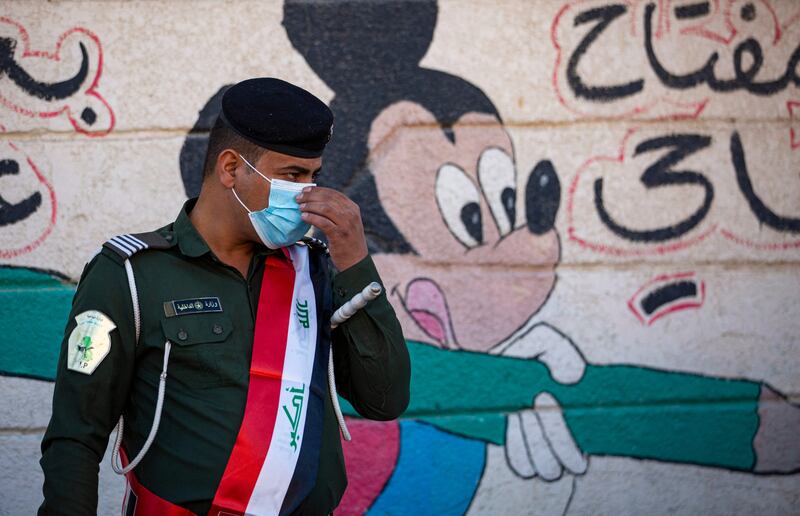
(226, 167)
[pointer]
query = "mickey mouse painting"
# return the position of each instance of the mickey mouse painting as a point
(469, 253)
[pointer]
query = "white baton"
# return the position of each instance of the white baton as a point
(358, 302)
(345, 312)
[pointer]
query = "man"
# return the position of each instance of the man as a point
(230, 319)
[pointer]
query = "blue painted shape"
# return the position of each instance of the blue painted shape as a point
(436, 473)
(34, 307)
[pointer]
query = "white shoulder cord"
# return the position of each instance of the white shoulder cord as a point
(344, 312)
(116, 464)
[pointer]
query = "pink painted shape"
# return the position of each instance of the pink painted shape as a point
(370, 459)
(427, 305)
(430, 324)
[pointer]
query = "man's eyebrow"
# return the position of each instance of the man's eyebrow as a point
(300, 170)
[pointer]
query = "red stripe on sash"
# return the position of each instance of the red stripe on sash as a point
(145, 502)
(263, 392)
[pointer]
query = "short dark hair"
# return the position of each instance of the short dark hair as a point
(223, 137)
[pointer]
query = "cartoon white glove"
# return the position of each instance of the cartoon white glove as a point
(539, 443)
(538, 440)
(549, 346)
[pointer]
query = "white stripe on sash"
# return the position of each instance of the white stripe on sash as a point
(287, 437)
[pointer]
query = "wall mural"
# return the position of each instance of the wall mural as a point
(417, 147)
(499, 395)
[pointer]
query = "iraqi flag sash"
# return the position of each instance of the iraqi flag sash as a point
(274, 461)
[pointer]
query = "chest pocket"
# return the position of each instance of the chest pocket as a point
(203, 350)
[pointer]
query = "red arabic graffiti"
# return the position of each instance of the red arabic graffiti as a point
(33, 213)
(667, 184)
(77, 61)
(675, 57)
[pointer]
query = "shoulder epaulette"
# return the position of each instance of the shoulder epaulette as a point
(127, 245)
(315, 243)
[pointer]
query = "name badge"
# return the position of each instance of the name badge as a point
(192, 306)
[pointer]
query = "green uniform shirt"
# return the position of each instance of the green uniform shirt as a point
(208, 375)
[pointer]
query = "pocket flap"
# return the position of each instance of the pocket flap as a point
(191, 329)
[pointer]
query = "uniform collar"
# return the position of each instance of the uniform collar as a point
(189, 240)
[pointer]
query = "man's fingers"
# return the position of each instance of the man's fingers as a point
(558, 434)
(340, 219)
(545, 463)
(516, 449)
(332, 205)
(324, 208)
(320, 193)
(324, 224)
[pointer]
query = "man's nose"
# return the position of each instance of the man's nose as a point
(542, 198)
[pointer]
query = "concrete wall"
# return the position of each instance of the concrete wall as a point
(587, 213)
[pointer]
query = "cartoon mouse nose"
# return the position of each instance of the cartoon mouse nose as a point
(542, 198)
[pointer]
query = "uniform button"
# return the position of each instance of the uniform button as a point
(182, 335)
(168, 237)
(217, 329)
(341, 292)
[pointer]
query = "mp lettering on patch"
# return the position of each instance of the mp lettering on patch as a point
(90, 341)
(192, 306)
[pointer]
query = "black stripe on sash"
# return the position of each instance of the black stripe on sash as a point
(305, 474)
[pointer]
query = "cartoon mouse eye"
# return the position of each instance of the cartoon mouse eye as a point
(497, 175)
(459, 201)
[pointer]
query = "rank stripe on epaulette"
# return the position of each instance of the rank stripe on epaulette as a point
(127, 244)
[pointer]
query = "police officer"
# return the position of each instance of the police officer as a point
(211, 336)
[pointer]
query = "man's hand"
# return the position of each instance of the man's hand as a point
(339, 218)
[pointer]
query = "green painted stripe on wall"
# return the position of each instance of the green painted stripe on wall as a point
(614, 410)
(35, 307)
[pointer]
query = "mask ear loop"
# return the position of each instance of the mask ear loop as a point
(255, 169)
(257, 172)
(240, 201)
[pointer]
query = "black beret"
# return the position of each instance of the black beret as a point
(279, 116)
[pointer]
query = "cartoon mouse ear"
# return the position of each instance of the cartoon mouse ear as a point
(356, 41)
(193, 151)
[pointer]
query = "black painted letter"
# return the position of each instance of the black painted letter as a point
(757, 206)
(659, 174)
(603, 16)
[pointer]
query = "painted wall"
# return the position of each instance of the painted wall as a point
(587, 214)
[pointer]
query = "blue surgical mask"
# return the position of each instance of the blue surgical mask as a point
(280, 223)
